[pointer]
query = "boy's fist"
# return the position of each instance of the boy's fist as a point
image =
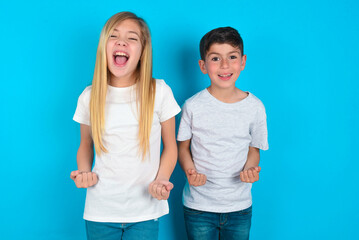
(84, 179)
(160, 189)
(250, 175)
(195, 179)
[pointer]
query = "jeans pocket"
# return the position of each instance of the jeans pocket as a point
(246, 211)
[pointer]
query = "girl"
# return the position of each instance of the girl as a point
(124, 114)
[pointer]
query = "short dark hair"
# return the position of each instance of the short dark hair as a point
(220, 35)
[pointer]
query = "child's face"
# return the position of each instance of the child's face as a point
(223, 64)
(123, 51)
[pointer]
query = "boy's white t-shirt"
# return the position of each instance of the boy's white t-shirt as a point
(221, 134)
(121, 194)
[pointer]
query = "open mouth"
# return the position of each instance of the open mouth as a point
(120, 58)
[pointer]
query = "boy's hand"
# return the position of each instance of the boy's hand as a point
(250, 175)
(84, 179)
(160, 189)
(195, 179)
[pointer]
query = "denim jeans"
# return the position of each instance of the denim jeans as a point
(202, 225)
(147, 230)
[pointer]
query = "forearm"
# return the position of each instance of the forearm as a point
(85, 158)
(252, 158)
(185, 156)
(169, 153)
(167, 163)
(85, 153)
(194, 178)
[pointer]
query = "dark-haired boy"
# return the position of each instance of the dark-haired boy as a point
(221, 131)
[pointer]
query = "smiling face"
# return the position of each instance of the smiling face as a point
(223, 64)
(123, 52)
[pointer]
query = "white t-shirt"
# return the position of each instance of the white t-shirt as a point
(121, 194)
(221, 134)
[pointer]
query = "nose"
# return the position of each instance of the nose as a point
(121, 42)
(224, 63)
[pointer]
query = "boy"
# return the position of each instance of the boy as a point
(221, 131)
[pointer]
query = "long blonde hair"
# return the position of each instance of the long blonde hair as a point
(145, 87)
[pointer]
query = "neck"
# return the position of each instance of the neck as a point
(227, 95)
(122, 81)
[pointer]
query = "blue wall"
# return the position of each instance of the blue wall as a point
(302, 63)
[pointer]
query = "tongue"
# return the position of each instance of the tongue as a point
(120, 60)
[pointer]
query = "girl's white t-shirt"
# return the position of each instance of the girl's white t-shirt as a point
(121, 194)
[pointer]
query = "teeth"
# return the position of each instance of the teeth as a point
(228, 75)
(121, 54)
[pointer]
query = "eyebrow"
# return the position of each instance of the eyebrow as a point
(135, 33)
(115, 30)
(239, 52)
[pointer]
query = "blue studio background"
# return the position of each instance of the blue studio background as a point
(302, 63)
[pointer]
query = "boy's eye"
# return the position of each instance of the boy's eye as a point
(233, 57)
(215, 59)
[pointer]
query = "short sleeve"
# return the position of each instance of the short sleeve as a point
(258, 130)
(82, 113)
(169, 107)
(185, 127)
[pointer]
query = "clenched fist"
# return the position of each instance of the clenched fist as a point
(160, 189)
(250, 175)
(196, 179)
(84, 179)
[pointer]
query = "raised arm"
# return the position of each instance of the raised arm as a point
(85, 152)
(251, 169)
(160, 188)
(83, 177)
(185, 159)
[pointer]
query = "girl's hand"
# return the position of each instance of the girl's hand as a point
(250, 175)
(196, 179)
(160, 189)
(84, 179)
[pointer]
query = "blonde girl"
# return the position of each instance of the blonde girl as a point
(123, 116)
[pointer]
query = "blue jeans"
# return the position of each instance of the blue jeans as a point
(147, 230)
(213, 226)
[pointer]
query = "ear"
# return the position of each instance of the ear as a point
(202, 66)
(244, 59)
